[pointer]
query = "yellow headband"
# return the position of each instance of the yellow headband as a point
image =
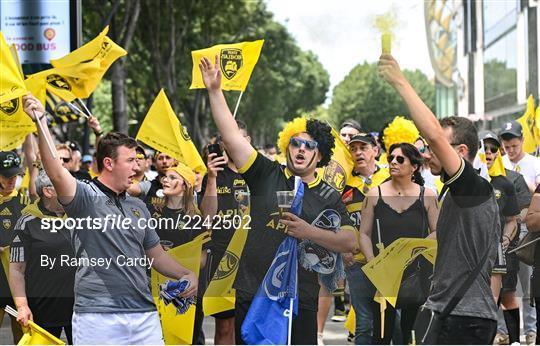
(297, 125)
(185, 172)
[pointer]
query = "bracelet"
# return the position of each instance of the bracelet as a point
(98, 133)
(507, 237)
(43, 115)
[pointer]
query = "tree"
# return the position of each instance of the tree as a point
(365, 97)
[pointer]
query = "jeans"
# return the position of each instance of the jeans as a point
(362, 292)
(464, 330)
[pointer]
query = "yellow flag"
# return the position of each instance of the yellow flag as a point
(527, 121)
(35, 335)
(11, 84)
(386, 270)
(92, 59)
(350, 322)
(236, 60)
(220, 295)
(339, 169)
(498, 166)
(162, 131)
(178, 329)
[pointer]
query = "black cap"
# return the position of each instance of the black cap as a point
(489, 135)
(364, 138)
(10, 164)
(512, 128)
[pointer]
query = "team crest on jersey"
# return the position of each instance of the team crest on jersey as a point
(136, 212)
(334, 175)
(6, 223)
(498, 194)
(231, 61)
(10, 107)
(58, 82)
(227, 266)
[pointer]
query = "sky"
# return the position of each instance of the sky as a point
(342, 35)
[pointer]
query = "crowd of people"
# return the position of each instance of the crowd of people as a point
(69, 281)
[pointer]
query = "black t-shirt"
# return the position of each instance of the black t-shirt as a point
(81, 175)
(10, 211)
(505, 193)
(179, 228)
(229, 184)
(264, 178)
(523, 194)
(151, 199)
(467, 187)
(49, 290)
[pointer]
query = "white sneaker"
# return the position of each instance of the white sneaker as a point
(530, 338)
(320, 341)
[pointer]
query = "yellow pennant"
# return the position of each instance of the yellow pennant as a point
(220, 295)
(236, 60)
(178, 329)
(162, 131)
(11, 84)
(386, 270)
(527, 121)
(35, 335)
(498, 166)
(339, 169)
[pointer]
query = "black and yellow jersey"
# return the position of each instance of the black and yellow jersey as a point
(10, 211)
(228, 185)
(354, 194)
(264, 178)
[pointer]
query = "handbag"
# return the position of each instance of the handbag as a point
(526, 246)
(416, 281)
(428, 322)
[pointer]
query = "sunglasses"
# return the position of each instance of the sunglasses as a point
(66, 159)
(492, 150)
(400, 159)
(424, 149)
(297, 143)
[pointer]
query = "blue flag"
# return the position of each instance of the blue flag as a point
(269, 316)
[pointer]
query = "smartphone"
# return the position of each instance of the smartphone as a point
(216, 149)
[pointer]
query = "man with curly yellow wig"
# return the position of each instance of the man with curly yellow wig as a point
(307, 144)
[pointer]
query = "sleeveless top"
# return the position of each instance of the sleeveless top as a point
(410, 223)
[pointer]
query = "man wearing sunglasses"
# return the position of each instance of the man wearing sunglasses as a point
(11, 205)
(307, 144)
(366, 175)
(467, 220)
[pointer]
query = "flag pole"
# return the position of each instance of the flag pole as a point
(237, 104)
(49, 144)
(289, 333)
(88, 114)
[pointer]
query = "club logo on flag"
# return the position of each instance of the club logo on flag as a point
(58, 82)
(334, 174)
(184, 133)
(414, 253)
(10, 107)
(231, 61)
(227, 266)
(105, 48)
(272, 287)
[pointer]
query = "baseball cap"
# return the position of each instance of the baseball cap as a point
(86, 158)
(512, 128)
(10, 164)
(364, 138)
(489, 135)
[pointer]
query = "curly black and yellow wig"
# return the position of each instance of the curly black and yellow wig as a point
(319, 131)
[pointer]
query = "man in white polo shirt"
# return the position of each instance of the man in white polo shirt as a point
(529, 167)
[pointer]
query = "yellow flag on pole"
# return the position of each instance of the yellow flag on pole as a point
(92, 60)
(527, 121)
(236, 60)
(162, 131)
(386, 270)
(35, 335)
(11, 84)
(498, 166)
(339, 169)
(220, 295)
(178, 329)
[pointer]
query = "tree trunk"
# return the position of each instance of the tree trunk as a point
(119, 98)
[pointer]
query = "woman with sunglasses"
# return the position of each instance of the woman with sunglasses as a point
(399, 208)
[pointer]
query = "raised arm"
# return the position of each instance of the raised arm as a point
(423, 118)
(64, 183)
(239, 149)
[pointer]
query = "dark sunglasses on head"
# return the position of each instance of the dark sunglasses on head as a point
(66, 159)
(492, 150)
(400, 159)
(309, 144)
